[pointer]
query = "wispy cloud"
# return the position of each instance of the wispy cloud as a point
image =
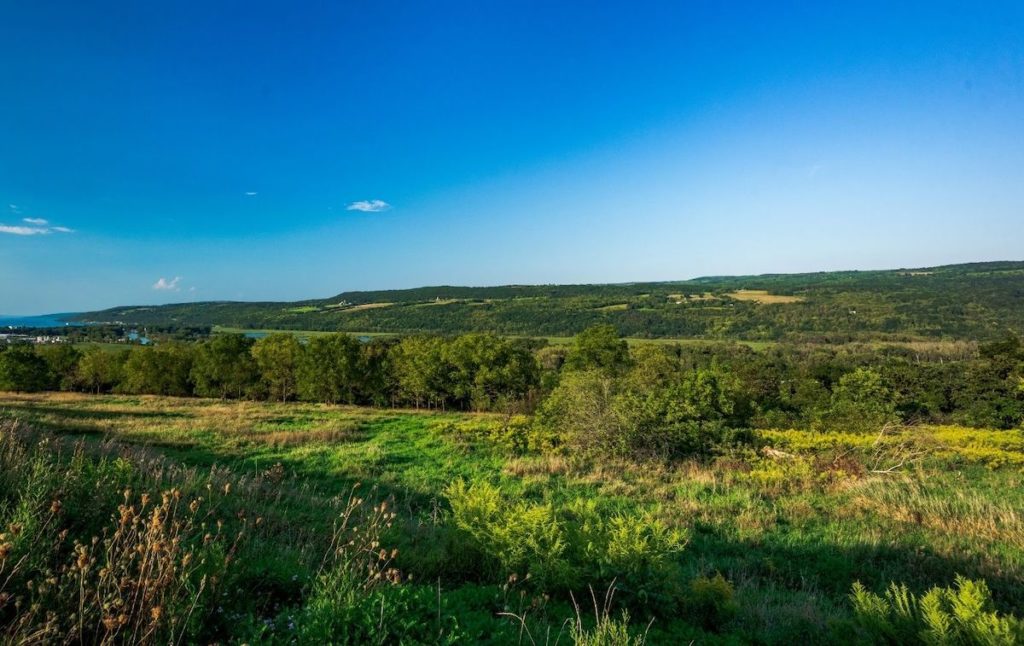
(368, 206)
(33, 227)
(251, 193)
(165, 285)
(19, 230)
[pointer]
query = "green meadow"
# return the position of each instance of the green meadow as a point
(472, 539)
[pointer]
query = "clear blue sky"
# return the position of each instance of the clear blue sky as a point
(223, 150)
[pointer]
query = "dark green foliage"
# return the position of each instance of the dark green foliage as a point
(100, 371)
(21, 369)
(224, 367)
(598, 348)
(660, 410)
(860, 403)
(642, 400)
(971, 301)
(62, 362)
(163, 370)
(710, 602)
(331, 369)
(278, 357)
(485, 370)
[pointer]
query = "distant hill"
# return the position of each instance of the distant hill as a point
(968, 301)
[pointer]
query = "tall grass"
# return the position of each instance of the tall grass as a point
(145, 575)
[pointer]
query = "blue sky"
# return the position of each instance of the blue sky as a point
(167, 152)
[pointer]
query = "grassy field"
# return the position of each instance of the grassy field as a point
(790, 527)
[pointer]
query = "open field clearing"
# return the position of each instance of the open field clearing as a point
(790, 523)
(763, 297)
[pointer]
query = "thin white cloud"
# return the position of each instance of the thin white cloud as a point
(165, 285)
(19, 230)
(31, 226)
(368, 206)
(251, 193)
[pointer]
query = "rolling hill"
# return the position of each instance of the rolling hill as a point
(967, 301)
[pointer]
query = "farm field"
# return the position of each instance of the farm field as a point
(491, 543)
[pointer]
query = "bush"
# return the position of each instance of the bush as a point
(572, 546)
(709, 602)
(959, 615)
(861, 403)
(636, 551)
(522, 538)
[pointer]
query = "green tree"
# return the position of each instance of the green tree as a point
(21, 369)
(860, 403)
(159, 370)
(62, 365)
(224, 367)
(579, 414)
(378, 385)
(598, 347)
(420, 370)
(278, 357)
(331, 370)
(100, 371)
(486, 369)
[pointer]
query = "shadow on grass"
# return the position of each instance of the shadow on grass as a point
(780, 559)
(77, 413)
(808, 564)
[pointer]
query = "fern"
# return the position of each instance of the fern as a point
(963, 614)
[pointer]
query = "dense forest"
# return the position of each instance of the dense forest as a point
(981, 301)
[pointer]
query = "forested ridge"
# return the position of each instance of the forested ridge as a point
(978, 301)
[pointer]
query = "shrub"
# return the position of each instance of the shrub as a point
(959, 615)
(861, 403)
(709, 602)
(523, 538)
(565, 547)
(637, 552)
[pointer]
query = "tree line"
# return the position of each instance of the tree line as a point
(595, 393)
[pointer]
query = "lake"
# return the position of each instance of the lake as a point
(43, 320)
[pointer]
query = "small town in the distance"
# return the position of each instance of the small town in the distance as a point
(512, 323)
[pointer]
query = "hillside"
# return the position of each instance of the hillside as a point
(972, 301)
